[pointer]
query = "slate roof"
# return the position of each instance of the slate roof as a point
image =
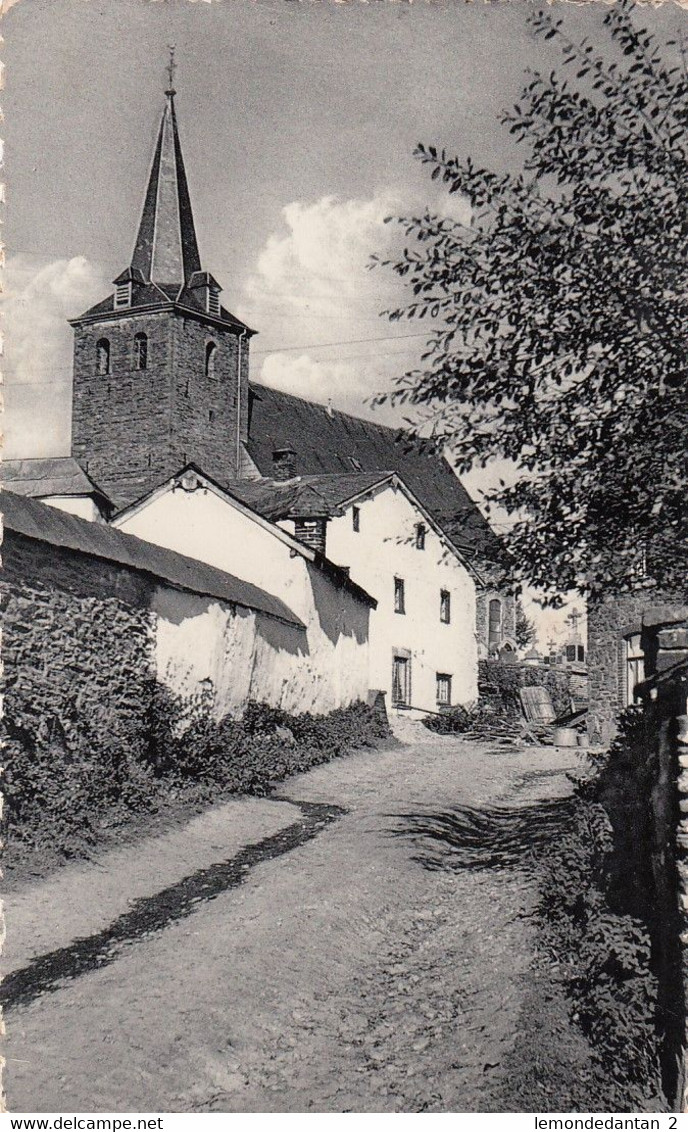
(153, 295)
(329, 441)
(306, 497)
(49, 475)
(166, 249)
(47, 524)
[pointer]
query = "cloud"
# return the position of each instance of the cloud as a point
(309, 377)
(319, 263)
(38, 299)
(312, 285)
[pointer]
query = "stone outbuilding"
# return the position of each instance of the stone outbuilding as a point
(615, 660)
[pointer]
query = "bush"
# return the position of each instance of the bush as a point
(596, 900)
(62, 786)
(457, 720)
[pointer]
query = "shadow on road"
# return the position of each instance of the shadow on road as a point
(153, 913)
(497, 837)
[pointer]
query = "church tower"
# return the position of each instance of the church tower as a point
(160, 367)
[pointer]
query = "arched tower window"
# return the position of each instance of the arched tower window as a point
(494, 637)
(210, 356)
(141, 351)
(103, 355)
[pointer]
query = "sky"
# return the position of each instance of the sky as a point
(298, 122)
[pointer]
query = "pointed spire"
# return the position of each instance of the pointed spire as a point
(166, 249)
(171, 68)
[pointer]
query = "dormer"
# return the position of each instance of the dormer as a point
(124, 287)
(207, 291)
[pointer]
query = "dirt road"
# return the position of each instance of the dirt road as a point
(271, 956)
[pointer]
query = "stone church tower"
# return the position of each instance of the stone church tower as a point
(160, 367)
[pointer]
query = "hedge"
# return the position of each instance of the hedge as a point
(598, 913)
(62, 786)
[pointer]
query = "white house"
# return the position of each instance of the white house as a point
(193, 515)
(423, 645)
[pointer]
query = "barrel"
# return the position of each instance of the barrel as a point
(565, 737)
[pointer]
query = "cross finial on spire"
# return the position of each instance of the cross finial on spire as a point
(171, 68)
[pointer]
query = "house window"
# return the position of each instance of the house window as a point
(214, 303)
(356, 518)
(444, 682)
(445, 606)
(494, 637)
(581, 653)
(141, 351)
(103, 355)
(570, 653)
(634, 668)
(420, 536)
(210, 355)
(399, 596)
(401, 680)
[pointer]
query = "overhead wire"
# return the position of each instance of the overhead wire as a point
(9, 383)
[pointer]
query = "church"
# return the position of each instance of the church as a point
(174, 445)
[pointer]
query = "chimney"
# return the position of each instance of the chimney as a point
(284, 464)
(313, 532)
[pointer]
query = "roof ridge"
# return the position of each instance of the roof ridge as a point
(334, 442)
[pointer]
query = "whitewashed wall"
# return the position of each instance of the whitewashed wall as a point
(329, 670)
(384, 547)
(84, 506)
(243, 654)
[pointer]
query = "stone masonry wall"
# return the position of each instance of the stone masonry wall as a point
(665, 693)
(102, 663)
(609, 623)
(121, 421)
(204, 428)
(500, 682)
(681, 724)
(134, 428)
(77, 643)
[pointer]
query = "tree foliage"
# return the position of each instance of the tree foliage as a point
(559, 328)
(525, 628)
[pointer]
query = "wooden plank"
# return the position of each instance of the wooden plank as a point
(537, 704)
